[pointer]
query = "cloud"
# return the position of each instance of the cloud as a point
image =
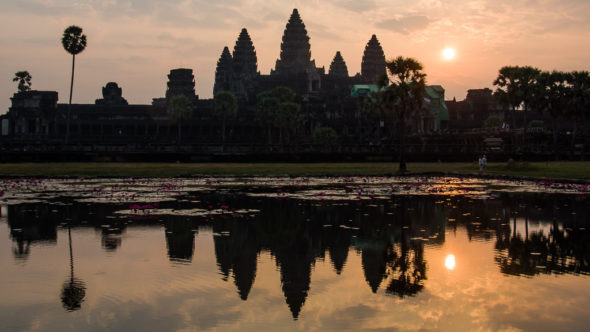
(320, 30)
(356, 5)
(405, 24)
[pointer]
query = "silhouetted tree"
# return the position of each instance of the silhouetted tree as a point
(225, 107)
(578, 99)
(179, 108)
(289, 119)
(276, 108)
(24, 80)
(325, 136)
(266, 108)
(516, 88)
(74, 42)
(376, 112)
(402, 91)
(551, 96)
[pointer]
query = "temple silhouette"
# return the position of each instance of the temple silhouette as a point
(327, 99)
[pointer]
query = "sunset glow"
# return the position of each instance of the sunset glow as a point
(136, 43)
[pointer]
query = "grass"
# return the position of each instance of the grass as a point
(547, 170)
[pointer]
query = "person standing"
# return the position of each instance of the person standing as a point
(484, 163)
(480, 163)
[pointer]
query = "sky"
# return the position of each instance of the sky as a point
(136, 42)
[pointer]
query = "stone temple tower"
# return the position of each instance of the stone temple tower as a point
(224, 72)
(181, 81)
(373, 65)
(295, 48)
(338, 67)
(245, 62)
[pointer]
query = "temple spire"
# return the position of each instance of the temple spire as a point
(338, 66)
(295, 48)
(245, 62)
(373, 65)
(223, 73)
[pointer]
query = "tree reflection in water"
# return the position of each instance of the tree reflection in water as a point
(73, 290)
(561, 249)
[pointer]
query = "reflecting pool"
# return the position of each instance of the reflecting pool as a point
(294, 254)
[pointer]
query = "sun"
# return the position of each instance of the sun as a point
(448, 53)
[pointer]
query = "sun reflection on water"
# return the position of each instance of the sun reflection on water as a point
(450, 262)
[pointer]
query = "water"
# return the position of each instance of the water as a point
(294, 254)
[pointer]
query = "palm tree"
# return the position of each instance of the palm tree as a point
(73, 42)
(225, 107)
(24, 80)
(179, 108)
(551, 96)
(507, 95)
(402, 91)
(516, 87)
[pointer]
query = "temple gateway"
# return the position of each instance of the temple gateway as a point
(330, 113)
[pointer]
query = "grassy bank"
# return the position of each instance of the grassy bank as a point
(549, 170)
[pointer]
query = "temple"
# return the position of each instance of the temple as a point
(326, 100)
(373, 65)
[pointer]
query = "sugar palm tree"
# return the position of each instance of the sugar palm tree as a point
(402, 91)
(24, 80)
(516, 87)
(74, 42)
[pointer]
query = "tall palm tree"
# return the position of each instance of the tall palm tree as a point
(402, 91)
(179, 108)
(24, 80)
(225, 107)
(507, 94)
(73, 42)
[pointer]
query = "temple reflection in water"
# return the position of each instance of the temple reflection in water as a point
(532, 233)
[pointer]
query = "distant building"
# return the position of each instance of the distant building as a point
(478, 106)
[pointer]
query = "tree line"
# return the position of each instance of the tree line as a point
(560, 95)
